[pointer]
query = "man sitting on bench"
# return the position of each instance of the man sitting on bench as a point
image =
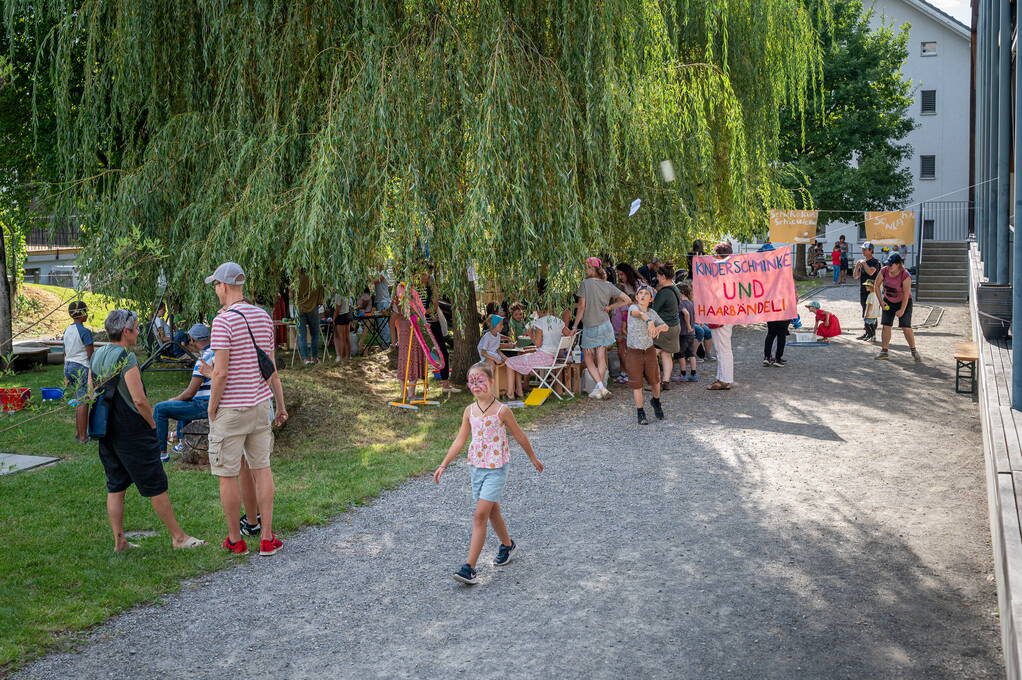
(193, 402)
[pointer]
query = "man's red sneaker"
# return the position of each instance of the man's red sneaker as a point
(269, 547)
(239, 548)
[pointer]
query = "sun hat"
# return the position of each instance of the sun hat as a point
(814, 305)
(230, 273)
(198, 332)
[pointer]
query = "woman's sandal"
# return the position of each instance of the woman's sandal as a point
(718, 385)
(192, 542)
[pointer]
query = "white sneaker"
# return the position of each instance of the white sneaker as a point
(595, 394)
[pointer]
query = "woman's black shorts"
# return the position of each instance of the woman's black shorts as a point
(133, 458)
(343, 319)
(888, 314)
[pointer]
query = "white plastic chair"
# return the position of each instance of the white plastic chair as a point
(549, 376)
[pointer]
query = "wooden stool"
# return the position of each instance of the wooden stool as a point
(966, 357)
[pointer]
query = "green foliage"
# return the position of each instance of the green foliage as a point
(331, 134)
(852, 153)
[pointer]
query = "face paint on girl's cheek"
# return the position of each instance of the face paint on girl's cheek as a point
(478, 383)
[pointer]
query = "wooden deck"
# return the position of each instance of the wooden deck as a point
(1002, 446)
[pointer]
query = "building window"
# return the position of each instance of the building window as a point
(928, 48)
(927, 167)
(929, 102)
(928, 229)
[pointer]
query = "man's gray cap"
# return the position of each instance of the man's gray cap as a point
(199, 332)
(230, 273)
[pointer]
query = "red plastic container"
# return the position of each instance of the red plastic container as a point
(14, 398)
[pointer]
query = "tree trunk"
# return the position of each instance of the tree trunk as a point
(6, 308)
(800, 263)
(466, 328)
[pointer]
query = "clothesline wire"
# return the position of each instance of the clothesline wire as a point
(934, 198)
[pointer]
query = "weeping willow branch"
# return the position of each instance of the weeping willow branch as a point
(333, 135)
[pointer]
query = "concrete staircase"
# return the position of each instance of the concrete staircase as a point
(944, 272)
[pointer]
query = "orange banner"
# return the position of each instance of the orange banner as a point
(793, 226)
(891, 228)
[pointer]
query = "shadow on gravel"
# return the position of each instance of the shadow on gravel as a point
(791, 528)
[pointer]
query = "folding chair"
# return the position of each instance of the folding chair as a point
(157, 354)
(549, 376)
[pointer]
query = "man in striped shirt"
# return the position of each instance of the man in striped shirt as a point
(239, 406)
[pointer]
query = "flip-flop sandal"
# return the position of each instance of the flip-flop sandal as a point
(192, 542)
(719, 386)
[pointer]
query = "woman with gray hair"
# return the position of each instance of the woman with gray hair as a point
(128, 449)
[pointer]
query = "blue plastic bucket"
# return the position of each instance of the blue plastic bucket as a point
(51, 393)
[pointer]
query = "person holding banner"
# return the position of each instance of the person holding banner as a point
(722, 336)
(894, 288)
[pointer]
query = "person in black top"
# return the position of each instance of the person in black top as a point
(865, 273)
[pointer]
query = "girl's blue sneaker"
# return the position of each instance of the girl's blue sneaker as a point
(467, 575)
(504, 554)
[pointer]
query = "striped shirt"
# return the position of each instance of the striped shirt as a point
(245, 385)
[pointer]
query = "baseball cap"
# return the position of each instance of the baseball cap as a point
(894, 258)
(495, 319)
(814, 304)
(230, 273)
(867, 245)
(198, 332)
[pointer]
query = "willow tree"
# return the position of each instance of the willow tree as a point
(333, 135)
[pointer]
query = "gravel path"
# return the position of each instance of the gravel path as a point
(823, 520)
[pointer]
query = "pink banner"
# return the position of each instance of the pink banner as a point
(750, 288)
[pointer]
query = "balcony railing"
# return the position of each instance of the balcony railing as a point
(53, 238)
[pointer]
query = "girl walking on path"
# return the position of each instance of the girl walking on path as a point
(488, 422)
(835, 261)
(644, 325)
(827, 325)
(722, 336)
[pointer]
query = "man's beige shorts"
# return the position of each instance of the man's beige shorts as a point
(238, 432)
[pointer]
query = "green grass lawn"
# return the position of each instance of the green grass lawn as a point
(58, 572)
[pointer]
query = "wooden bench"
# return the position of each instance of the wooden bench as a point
(966, 356)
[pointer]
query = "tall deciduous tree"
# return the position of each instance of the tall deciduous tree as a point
(333, 134)
(852, 153)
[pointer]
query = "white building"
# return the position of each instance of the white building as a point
(939, 68)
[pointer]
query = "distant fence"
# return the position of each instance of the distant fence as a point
(40, 237)
(63, 279)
